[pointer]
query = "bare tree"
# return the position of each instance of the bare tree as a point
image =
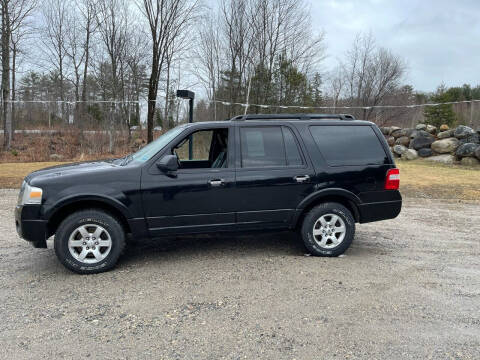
(55, 39)
(166, 20)
(20, 13)
(112, 19)
(6, 33)
(372, 74)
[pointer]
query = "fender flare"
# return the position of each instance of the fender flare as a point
(353, 199)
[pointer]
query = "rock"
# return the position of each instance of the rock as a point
(444, 127)
(403, 140)
(474, 138)
(399, 149)
(463, 131)
(421, 127)
(398, 133)
(465, 150)
(431, 129)
(390, 140)
(392, 129)
(410, 154)
(477, 153)
(425, 152)
(444, 159)
(445, 146)
(413, 133)
(422, 140)
(445, 134)
(56, 157)
(469, 161)
(385, 130)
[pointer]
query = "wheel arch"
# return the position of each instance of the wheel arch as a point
(62, 211)
(341, 196)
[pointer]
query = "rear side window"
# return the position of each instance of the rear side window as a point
(349, 145)
(269, 146)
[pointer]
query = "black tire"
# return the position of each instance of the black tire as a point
(311, 218)
(91, 216)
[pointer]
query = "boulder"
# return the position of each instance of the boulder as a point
(425, 152)
(390, 140)
(469, 161)
(403, 140)
(474, 138)
(410, 154)
(477, 153)
(421, 127)
(399, 149)
(443, 159)
(463, 131)
(445, 134)
(413, 133)
(465, 150)
(445, 146)
(444, 127)
(385, 130)
(398, 133)
(422, 140)
(56, 157)
(431, 129)
(392, 129)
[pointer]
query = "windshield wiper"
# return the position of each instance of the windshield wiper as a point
(126, 159)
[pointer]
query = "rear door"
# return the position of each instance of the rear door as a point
(272, 175)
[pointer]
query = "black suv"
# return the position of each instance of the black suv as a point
(314, 173)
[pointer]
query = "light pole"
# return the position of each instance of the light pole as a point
(190, 95)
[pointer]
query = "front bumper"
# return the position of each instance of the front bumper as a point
(29, 226)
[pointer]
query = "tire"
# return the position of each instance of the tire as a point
(327, 241)
(89, 241)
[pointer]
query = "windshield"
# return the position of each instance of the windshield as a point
(146, 153)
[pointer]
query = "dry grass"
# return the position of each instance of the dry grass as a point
(418, 179)
(429, 180)
(12, 174)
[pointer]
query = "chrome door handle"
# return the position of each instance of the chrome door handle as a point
(216, 182)
(302, 178)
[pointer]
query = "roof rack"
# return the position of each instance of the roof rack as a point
(299, 116)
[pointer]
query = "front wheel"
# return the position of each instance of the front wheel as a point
(89, 241)
(328, 229)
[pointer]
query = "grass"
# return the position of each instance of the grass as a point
(438, 181)
(418, 178)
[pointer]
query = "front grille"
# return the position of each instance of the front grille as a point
(20, 194)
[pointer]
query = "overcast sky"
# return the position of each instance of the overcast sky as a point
(438, 39)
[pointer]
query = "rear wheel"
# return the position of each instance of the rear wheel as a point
(328, 229)
(89, 241)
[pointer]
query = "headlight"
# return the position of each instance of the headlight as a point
(29, 195)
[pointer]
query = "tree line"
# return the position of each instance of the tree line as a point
(94, 62)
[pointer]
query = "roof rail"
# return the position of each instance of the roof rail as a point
(299, 116)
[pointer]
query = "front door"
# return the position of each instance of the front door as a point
(199, 196)
(273, 176)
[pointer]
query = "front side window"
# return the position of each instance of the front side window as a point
(271, 146)
(209, 149)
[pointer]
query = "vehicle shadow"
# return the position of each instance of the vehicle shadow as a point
(218, 245)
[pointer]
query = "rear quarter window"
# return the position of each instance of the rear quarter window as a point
(349, 145)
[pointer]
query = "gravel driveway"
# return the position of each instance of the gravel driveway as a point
(407, 288)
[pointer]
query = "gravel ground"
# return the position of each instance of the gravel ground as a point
(407, 288)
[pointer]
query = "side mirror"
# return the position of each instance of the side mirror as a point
(168, 164)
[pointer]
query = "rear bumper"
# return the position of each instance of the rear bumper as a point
(30, 228)
(379, 210)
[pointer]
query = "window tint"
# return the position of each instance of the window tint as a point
(349, 145)
(291, 148)
(262, 146)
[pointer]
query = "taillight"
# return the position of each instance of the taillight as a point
(392, 181)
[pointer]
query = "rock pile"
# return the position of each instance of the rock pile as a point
(448, 146)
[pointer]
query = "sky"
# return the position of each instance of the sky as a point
(438, 39)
